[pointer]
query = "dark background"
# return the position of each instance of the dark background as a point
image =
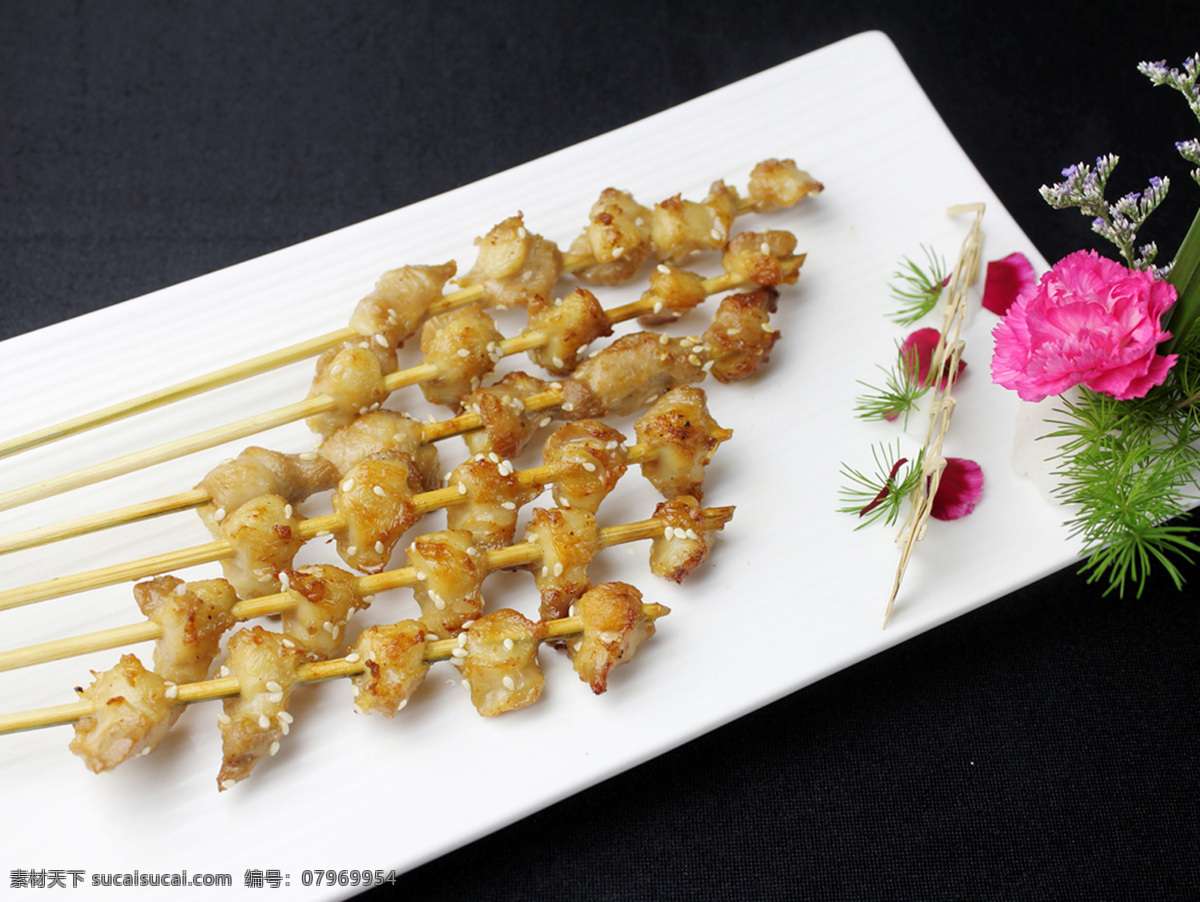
(1044, 747)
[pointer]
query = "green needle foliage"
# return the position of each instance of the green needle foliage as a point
(879, 494)
(897, 395)
(917, 288)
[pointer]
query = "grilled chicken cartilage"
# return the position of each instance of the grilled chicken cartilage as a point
(267, 532)
(628, 374)
(128, 710)
(359, 383)
(512, 265)
(662, 531)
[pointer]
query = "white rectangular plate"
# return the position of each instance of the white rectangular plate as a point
(791, 593)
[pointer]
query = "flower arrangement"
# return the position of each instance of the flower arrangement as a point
(1115, 344)
(1112, 343)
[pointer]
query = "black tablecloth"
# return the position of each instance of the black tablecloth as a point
(1042, 747)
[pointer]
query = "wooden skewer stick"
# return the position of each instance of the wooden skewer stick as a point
(946, 356)
(221, 687)
(424, 502)
(148, 631)
(311, 406)
(248, 368)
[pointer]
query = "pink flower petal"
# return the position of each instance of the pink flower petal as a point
(959, 489)
(1006, 280)
(923, 343)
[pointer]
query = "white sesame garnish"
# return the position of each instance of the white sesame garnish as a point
(378, 490)
(288, 510)
(219, 514)
(351, 550)
(223, 719)
(284, 717)
(658, 306)
(172, 691)
(228, 784)
(664, 269)
(544, 422)
(224, 671)
(347, 485)
(352, 658)
(463, 352)
(264, 722)
(379, 547)
(664, 339)
(274, 749)
(508, 683)
(589, 466)
(509, 644)
(462, 640)
(458, 652)
(509, 505)
(765, 248)
(558, 568)
(558, 362)
(273, 686)
(568, 406)
(462, 489)
(181, 589)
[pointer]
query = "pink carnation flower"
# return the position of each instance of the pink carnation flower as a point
(1089, 321)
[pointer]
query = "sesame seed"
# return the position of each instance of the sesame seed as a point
(463, 352)
(509, 644)
(765, 248)
(378, 490)
(264, 722)
(545, 571)
(288, 510)
(351, 550)
(224, 671)
(458, 652)
(716, 234)
(274, 749)
(352, 657)
(181, 589)
(664, 269)
(228, 784)
(400, 706)
(508, 683)
(664, 339)
(223, 719)
(589, 466)
(219, 514)
(509, 505)
(558, 362)
(658, 306)
(462, 640)
(172, 691)
(462, 489)
(347, 485)
(438, 601)
(309, 455)
(422, 575)
(379, 547)
(381, 339)
(558, 569)
(545, 421)
(617, 251)
(284, 717)
(273, 686)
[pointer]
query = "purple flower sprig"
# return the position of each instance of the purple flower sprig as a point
(1185, 83)
(1084, 186)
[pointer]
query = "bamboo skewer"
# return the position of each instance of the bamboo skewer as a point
(311, 406)
(246, 369)
(221, 687)
(944, 363)
(149, 631)
(424, 502)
